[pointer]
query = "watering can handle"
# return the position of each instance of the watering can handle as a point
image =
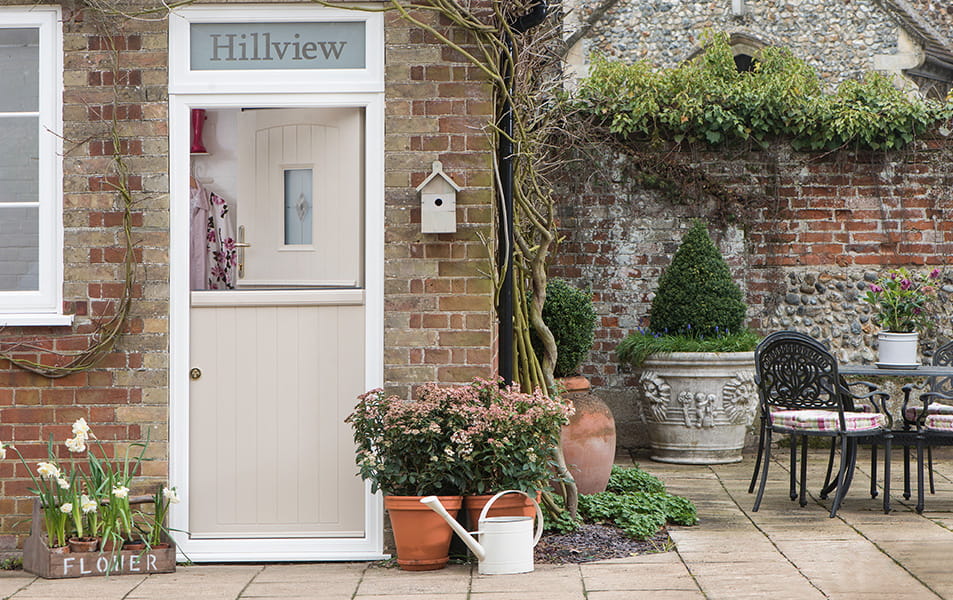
(539, 513)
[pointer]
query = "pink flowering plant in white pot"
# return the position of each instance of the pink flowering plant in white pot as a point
(457, 439)
(902, 299)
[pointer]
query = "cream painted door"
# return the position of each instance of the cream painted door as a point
(277, 364)
(300, 167)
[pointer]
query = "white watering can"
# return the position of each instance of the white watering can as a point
(506, 543)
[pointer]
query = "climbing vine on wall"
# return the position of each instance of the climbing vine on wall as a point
(708, 100)
(38, 355)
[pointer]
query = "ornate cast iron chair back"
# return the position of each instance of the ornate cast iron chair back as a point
(943, 357)
(794, 371)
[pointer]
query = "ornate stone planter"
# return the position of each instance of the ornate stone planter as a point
(698, 405)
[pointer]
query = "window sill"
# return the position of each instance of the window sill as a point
(35, 320)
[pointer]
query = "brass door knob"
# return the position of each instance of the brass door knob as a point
(195, 373)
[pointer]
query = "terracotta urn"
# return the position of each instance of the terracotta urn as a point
(588, 441)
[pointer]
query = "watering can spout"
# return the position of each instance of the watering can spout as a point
(468, 539)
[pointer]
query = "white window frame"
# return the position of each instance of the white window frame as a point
(45, 305)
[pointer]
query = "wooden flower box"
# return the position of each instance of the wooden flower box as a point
(40, 560)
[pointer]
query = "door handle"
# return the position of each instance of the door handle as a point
(195, 373)
(241, 244)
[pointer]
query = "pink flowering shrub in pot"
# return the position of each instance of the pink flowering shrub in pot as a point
(453, 440)
(902, 300)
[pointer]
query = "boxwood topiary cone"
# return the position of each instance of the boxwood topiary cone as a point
(696, 295)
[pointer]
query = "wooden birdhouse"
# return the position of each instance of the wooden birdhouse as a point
(438, 202)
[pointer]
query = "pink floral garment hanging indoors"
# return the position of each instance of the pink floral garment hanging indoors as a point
(212, 250)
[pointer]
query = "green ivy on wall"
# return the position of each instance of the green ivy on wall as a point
(710, 101)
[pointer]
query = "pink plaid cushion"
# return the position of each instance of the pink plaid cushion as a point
(827, 420)
(936, 408)
(942, 422)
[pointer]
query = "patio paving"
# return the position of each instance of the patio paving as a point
(783, 552)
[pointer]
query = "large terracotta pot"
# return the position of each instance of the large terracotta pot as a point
(698, 405)
(510, 505)
(421, 535)
(588, 441)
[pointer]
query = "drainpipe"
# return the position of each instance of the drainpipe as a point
(534, 17)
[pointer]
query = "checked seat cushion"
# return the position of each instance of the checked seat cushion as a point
(827, 420)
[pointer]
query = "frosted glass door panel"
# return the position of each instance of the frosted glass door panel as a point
(19, 69)
(19, 249)
(19, 159)
(299, 204)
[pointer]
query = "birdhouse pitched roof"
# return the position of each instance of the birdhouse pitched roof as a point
(438, 172)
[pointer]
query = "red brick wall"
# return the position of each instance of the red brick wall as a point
(438, 305)
(438, 301)
(807, 230)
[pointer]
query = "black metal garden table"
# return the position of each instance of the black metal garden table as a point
(905, 437)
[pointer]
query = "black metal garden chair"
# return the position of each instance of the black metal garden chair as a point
(933, 419)
(802, 395)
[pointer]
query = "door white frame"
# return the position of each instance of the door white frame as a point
(369, 547)
(283, 90)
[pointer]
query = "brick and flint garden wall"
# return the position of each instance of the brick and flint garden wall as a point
(438, 302)
(803, 233)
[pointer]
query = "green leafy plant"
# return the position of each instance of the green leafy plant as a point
(571, 317)
(696, 295)
(470, 439)
(708, 100)
(635, 501)
(84, 501)
(623, 480)
(902, 299)
(697, 307)
(12, 563)
(638, 345)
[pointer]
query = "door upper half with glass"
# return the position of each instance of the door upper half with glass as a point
(300, 210)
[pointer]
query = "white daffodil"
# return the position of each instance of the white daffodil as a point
(81, 429)
(87, 504)
(121, 492)
(76, 444)
(66, 507)
(171, 495)
(64, 485)
(46, 469)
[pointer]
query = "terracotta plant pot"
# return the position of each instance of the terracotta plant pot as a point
(510, 505)
(83, 544)
(588, 441)
(421, 535)
(134, 545)
(59, 550)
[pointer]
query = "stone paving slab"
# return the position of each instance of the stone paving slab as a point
(784, 551)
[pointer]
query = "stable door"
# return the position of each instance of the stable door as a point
(278, 361)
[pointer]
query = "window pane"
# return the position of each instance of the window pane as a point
(19, 249)
(19, 161)
(298, 206)
(19, 69)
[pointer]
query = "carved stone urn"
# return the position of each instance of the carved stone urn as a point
(698, 405)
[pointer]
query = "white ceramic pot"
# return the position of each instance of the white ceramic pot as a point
(698, 405)
(897, 350)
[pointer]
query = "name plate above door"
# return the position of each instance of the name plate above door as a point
(277, 46)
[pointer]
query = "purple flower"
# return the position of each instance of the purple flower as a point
(934, 274)
(906, 284)
(875, 288)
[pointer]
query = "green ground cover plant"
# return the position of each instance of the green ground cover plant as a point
(634, 501)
